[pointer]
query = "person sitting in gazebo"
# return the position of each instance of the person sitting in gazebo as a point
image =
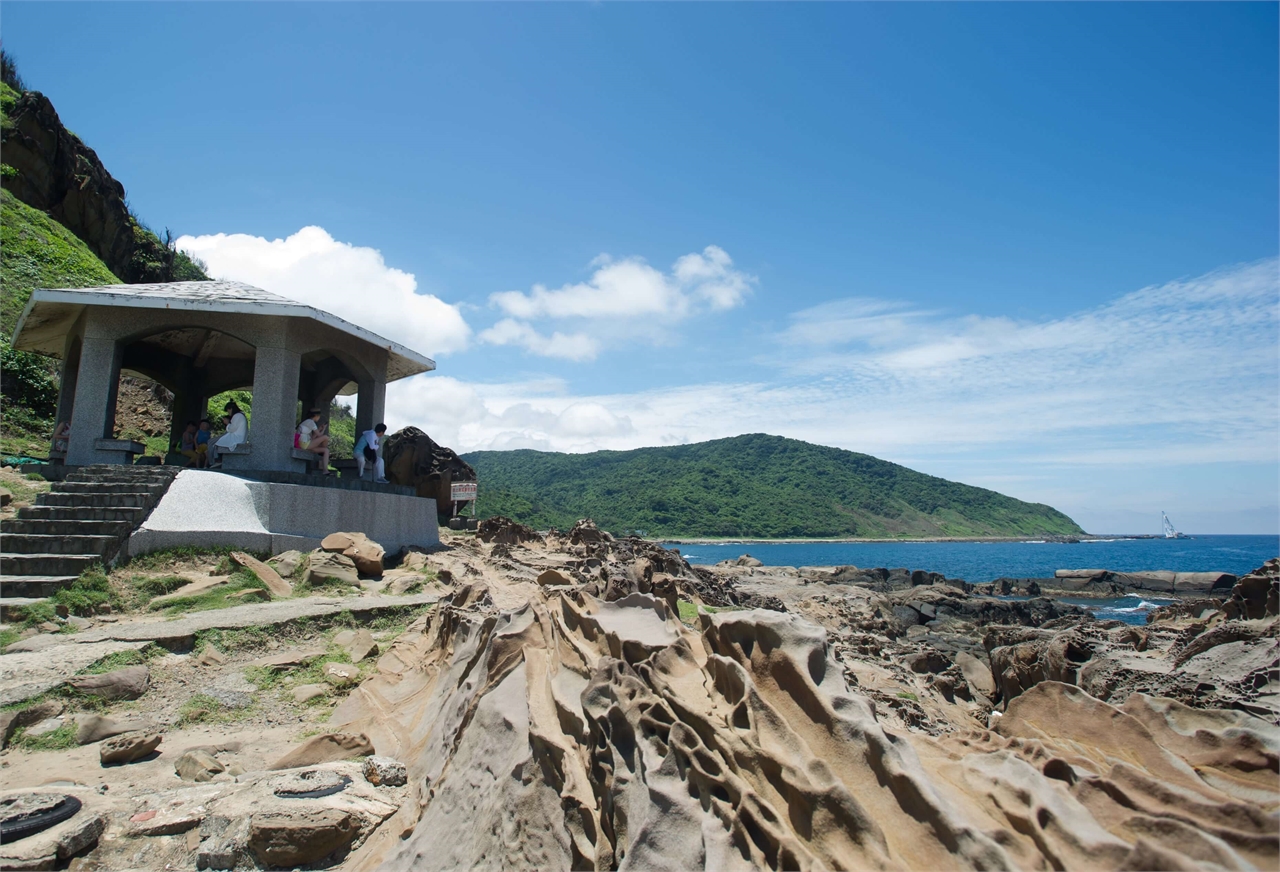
(311, 437)
(237, 432)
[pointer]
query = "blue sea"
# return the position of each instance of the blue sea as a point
(980, 562)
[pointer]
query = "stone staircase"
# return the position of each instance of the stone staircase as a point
(82, 520)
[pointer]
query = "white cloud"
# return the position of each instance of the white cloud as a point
(1146, 387)
(574, 346)
(353, 282)
(618, 290)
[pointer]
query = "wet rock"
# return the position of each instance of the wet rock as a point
(197, 765)
(385, 771)
(324, 568)
(128, 747)
(364, 552)
(325, 748)
(294, 838)
(128, 683)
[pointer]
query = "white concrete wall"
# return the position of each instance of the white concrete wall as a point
(211, 509)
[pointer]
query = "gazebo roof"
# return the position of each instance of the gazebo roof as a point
(50, 313)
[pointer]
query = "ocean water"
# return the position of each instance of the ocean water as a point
(980, 562)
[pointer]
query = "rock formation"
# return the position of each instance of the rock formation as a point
(414, 459)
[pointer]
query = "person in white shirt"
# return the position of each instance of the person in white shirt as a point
(237, 432)
(369, 450)
(311, 437)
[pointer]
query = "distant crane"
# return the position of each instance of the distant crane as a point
(1169, 532)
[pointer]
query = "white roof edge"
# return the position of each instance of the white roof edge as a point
(285, 308)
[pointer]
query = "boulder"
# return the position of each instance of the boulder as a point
(403, 584)
(250, 594)
(977, 674)
(297, 837)
(553, 576)
(326, 748)
(324, 568)
(414, 460)
(128, 683)
(197, 765)
(927, 661)
(268, 576)
(287, 660)
(343, 638)
(504, 531)
(95, 728)
(362, 646)
(748, 560)
(287, 564)
(211, 656)
(308, 692)
(1257, 595)
(45, 727)
(341, 674)
(385, 772)
(364, 552)
(585, 532)
(128, 747)
(12, 719)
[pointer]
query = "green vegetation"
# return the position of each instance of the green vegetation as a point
(755, 485)
(204, 709)
(906, 694)
(219, 597)
(122, 659)
(35, 251)
(59, 740)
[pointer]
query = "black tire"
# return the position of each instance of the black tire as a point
(29, 825)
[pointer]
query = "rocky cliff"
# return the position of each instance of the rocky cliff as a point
(55, 172)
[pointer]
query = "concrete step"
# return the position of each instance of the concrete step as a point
(13, 608)
(132, 514)
(111, 487)
(34, 585)
(44, 564)
(43, 527)
(34, 543)
(124, 474)
(138, 499)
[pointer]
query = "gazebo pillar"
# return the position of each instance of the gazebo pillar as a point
(371, 403)
(275, 401)
(94, 411)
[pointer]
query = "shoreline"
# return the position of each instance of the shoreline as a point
(1056, 540)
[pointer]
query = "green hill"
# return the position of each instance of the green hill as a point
(748, 486)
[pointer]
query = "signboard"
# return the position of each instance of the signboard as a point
(460, 491)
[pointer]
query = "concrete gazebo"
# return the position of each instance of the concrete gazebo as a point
(199, 339)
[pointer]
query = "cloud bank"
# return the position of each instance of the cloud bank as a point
(617, 292)
(351, 281)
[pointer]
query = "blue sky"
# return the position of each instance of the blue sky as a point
(1027, 246)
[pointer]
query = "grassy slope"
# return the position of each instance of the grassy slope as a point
(35, 252)
(754, 485)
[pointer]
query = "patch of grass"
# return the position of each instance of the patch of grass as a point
(906, 694)
(215, 598)
(121, 659)
(228, 641)
(59, 740)
(92, 589)
(160, 561)
(688, 611)
(8, 636)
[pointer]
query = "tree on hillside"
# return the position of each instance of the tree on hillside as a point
(9, 72)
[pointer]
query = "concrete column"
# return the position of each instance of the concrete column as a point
(275, 400)
(67, 387)
(94, 412)
(371, 405)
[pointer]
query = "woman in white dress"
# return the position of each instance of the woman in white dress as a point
(237, 432)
